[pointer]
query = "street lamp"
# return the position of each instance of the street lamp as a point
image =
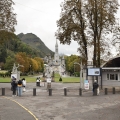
(76, 63)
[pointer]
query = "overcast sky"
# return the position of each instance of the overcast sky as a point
(39, 17)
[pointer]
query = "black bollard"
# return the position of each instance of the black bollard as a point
(113, 90)
(80, 91)
(95, 92)
(65, 91)
(50, 92)
(106, 91)
(34, 91)
(3, 91)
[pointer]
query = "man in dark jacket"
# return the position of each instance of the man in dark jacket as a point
(95, 86)
(14, 86)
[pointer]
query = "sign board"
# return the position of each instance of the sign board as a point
(86, 84)
(48, 80)
(94, 71)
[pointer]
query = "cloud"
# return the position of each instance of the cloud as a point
(39, 17)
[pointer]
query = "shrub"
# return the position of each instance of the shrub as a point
(60, 79)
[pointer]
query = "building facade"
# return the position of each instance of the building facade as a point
(110, 73)
(56, 64)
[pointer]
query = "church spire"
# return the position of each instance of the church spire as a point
(56, 47)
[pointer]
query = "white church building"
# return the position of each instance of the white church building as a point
(56, 64)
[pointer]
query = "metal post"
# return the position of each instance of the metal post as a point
(106, 91)
(113, 90)
(50, 92)
(81, 79)
(81, 75)
(65, 91)
(80, 91)
(34, 91)
(3, 91)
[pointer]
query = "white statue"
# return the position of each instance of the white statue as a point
(90, 53)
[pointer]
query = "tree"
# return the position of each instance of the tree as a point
(101, 16)
(7, 17)
(7, 20)
(86, 22)
(72, 25)
(40, 63)
(3, 53)
(70, 60)
(20, 59)
(35, 65)
(9, 63)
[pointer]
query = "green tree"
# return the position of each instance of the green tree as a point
(70, 60)
(3, 53)
(101, 16)
(7, 20)
(7, 17)
(86, 22)
(9, 63)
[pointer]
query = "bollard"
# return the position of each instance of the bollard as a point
(106, 91)
(3, 91)
(113, 90)
(95, 92)
(65, 91)
(80, 91)
(50, 92)
(34, 91)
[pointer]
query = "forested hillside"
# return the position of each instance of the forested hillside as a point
(36, 43)
(30, 46)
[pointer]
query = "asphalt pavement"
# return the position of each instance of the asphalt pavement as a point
(58, 106)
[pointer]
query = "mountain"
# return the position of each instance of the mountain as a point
(36, 43)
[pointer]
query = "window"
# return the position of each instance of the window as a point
(107, 76)
(116, 76)
(112, 76)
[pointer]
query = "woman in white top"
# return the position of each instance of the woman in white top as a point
(24, 84)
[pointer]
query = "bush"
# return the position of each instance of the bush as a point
(77, 74)
(60, 79)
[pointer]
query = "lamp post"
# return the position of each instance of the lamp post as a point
(76, 63)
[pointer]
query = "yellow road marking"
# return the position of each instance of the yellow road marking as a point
(22, 107)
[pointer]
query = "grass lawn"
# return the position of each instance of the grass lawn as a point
(68, 79)
(31, 79)
(28, 79)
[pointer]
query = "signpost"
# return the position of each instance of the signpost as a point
(86, 84)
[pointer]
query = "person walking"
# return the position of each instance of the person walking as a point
(95, 87)
(19, 89)
(24, 84)
(14, 86)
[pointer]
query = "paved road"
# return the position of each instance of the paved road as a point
(60, 107)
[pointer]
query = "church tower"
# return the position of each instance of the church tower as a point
(56, 55)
